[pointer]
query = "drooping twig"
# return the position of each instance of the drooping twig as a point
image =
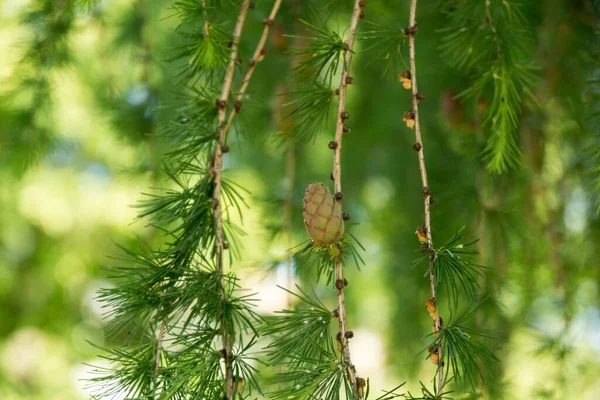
(411, 30)
(342, 115)
(259, 53)
(217, 167)
(490, 22)
(217, 170)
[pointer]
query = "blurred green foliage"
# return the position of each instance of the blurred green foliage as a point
(86, 88)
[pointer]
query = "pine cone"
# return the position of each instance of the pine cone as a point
(322, 215)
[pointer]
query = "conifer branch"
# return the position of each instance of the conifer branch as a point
(490, 22)
(432, 303)
(218, 174)
(258, 55)
(185, 282)
(496, 35)
(341, 116)
(218, 159)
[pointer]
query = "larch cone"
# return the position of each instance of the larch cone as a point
(322, 215)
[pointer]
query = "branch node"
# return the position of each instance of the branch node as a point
(431, 306)
(411, 30)
(262, 54)
(237, 105)
(422, 234)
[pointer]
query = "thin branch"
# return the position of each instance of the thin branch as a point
(412, 29)
(217, 168)
(490, 22)
(337, 176)
(259, 53)
(218, 174)
(157, 356)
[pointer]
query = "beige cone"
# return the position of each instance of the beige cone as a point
(322, 215)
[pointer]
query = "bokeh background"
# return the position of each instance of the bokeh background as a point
(85, 92)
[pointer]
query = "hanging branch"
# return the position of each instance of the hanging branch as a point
(424, 232)
(183, 286)
(219, 150)
(498, 62)
(340, 128)
(455, 347)
(217, 168)
(218, 176)
(308, 345)
(259, 54)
